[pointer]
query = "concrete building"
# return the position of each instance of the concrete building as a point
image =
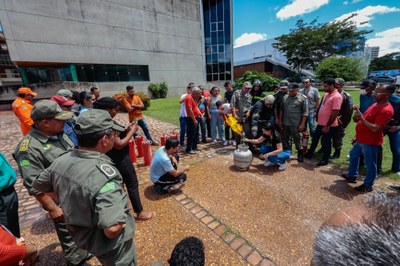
(108, 43)
(373, 51)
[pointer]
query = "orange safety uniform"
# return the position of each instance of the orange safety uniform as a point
(22, 109)
(136, 113)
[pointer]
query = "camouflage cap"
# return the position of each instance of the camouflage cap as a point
(247, 84)
(284, 84)
(339, 81)
(95, 120)
(65, 93)
(46, 109)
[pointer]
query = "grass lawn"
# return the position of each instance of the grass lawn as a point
(168, 110)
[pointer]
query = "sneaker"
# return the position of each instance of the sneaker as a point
(175, 187)
(215, 141)
(225, 143)
(282, 166)
(234, 143)
(363, 189)
(192, 152)
(322, 163)
(395, 188)
(308, 155)
(349, 179)
(268, 164)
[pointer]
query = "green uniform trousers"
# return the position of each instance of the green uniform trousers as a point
(124, 255)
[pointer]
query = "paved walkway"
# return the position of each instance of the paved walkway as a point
(258, 217)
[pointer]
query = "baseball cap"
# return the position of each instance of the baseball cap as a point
(25, 90)
(339, 81)
(65, 93)
(46, 109)
(293, 86)
(284, 84)
(247, 84)
(95, 120)
(62, 101)
(269, 99)
(106, 102)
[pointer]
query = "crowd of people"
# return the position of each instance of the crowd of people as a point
(74, 158)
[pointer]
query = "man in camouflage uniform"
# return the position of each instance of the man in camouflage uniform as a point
(36, 151)
(91, 194)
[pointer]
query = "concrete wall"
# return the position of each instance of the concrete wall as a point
(163, 34)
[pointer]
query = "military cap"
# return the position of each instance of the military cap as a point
(339, 81)
(247, 84)
(46, 109)
(284, 84)
(65, 93)
(293, 86)
(95, 120)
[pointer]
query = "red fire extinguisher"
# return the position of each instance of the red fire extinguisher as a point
(174, 134)
(304, 141)
(146, 152)
(139, 140)
(132, 153)
(163, 139)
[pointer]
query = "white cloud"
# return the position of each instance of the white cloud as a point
(367, 14)
(355, 1)
(248, 38)
(388, 41)
(299, 7)
(345, 3)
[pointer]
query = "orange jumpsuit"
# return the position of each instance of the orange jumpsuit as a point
(22, 109)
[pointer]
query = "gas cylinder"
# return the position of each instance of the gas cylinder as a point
(132, 153)
(139, 140)
(304, 141)
(146, 145)
(242, 157)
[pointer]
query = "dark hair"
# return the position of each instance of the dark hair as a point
(213, 88)
(390, 88)
(268, 126)
(330, 82)
(171, 143)
(189, 87)
(75, 96)
(129, 88)
(22, 95)
(92, 89)
(84, 95)
(106, 103)
(226, 84)
(188, 252)
(90, 140)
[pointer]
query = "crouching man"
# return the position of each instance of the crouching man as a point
(164, 171)
(91, 194)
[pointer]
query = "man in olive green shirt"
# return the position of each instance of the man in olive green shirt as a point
(91, 194)
(36, 151)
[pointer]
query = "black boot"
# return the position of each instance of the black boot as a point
(336, 154)
(300, 158)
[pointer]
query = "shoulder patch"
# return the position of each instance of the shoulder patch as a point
(46, 146)
(24, 145)
(109, 186)
(107, 169)
(23, 163)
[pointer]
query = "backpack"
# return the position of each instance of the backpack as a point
(346, 110)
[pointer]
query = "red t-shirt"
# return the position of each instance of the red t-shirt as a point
(189, 102)
(379, 115)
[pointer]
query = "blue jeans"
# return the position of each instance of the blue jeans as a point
(216, 122)
(280, 158)
(182, 132)
(142, 123)
(311, 123)
(326, 141)
(203, 127)
(394, 139)
(370, 153)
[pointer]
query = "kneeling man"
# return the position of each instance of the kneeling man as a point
(164, 171)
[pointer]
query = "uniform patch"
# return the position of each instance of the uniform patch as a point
(109, 186)
(24, 145)
(46, 146)
(23, 163)
(107, 170)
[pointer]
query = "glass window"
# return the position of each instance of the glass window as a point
(213, 26)
(112, 73)
(221, 26)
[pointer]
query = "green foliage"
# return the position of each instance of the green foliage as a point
(349, 69)
(268, 81)
(386, 62)
(309, 43)
(145, 99)
(158, 90)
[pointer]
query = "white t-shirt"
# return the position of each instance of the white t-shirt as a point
(183, 106)
(160, 165)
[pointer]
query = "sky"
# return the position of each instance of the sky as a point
(256, 20)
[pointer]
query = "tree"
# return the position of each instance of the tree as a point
(386, 62)
(349, 69)
(309, 43)
(268, 82)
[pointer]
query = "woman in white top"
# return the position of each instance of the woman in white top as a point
(216, 118)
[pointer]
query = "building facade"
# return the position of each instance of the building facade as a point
(108, 43)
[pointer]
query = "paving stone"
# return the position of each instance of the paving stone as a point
(244, 250)
(190, 205)
(254, 258)
(207, 219)
(180, 197)
(196, 209)
(220, 230)
(185, 201)
(237, 243)
(213, 225)
(201, 214)
(228, 237)
(266, 262)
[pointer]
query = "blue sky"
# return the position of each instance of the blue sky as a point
(255, 20)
